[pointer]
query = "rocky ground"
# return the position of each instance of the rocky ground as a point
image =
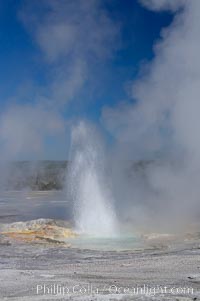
(49, 270)
(39, 261)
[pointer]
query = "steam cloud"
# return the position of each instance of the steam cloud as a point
(163, 123)
(72, 38)
(73, 35)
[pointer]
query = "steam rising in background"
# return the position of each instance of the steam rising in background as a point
(164, 124)
(155, 155)
(73, 37)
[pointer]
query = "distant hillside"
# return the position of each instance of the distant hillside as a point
(40, 175)
(49, 175)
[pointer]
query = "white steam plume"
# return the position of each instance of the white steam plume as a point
(72, 38)
(164, 121)
(23, 130)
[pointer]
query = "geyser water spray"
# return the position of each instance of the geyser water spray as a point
(93, 203)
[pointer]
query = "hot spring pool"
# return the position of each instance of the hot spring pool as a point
(107, 244)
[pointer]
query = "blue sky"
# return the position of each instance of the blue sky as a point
(26, 73)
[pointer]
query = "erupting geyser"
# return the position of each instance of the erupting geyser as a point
(93, 202)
